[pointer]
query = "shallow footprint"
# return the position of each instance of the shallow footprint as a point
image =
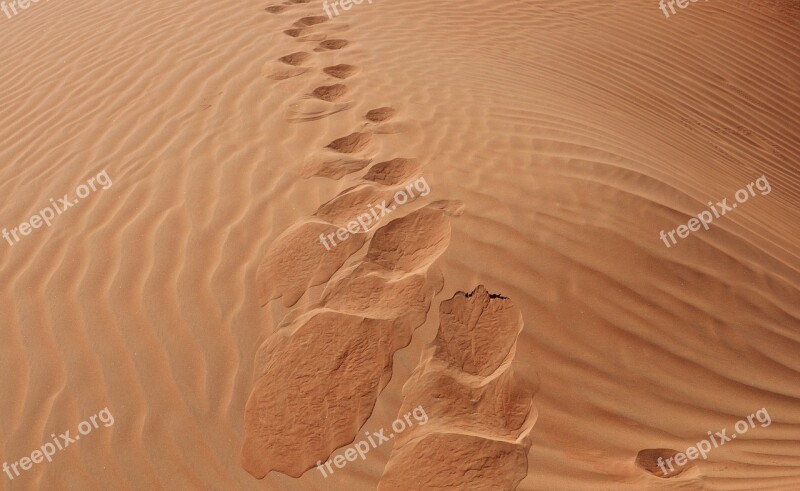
(284, 73)
(462, 462)
(648, 460)
(276, 9)
(394, 172)
(330, 93)
(296, 32)
(332, 44)
(351, 202)
(341, 71)
(333, 169)
(380, 114)
(352, 143)
(308, 109)
(311, 21)
(295, 59)
(299, 260)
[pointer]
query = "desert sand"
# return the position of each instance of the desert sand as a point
(527, 301)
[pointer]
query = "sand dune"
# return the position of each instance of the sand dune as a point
(194, 299)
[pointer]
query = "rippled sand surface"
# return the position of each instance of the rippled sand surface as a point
(523, 296)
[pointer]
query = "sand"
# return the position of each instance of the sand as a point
(194, 299)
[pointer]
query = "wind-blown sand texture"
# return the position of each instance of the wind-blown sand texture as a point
(194, 300)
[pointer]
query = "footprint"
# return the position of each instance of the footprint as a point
(394, 172)
(478, 415)
(341, 71)
(453, 208)
(321, 373)
(276, 9)
(647, 460)
(371, 295)
(334, 44)
(330, 93)
(309, 109)
(316, 382)
(297, 32)
(350, 203)
(283, 74)
(410, 243)
(380, 114)
(295, 59)
(462, 462)
(351, 143)
(335, 169)
(298, 260)
(479, 318)
(311, 21)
